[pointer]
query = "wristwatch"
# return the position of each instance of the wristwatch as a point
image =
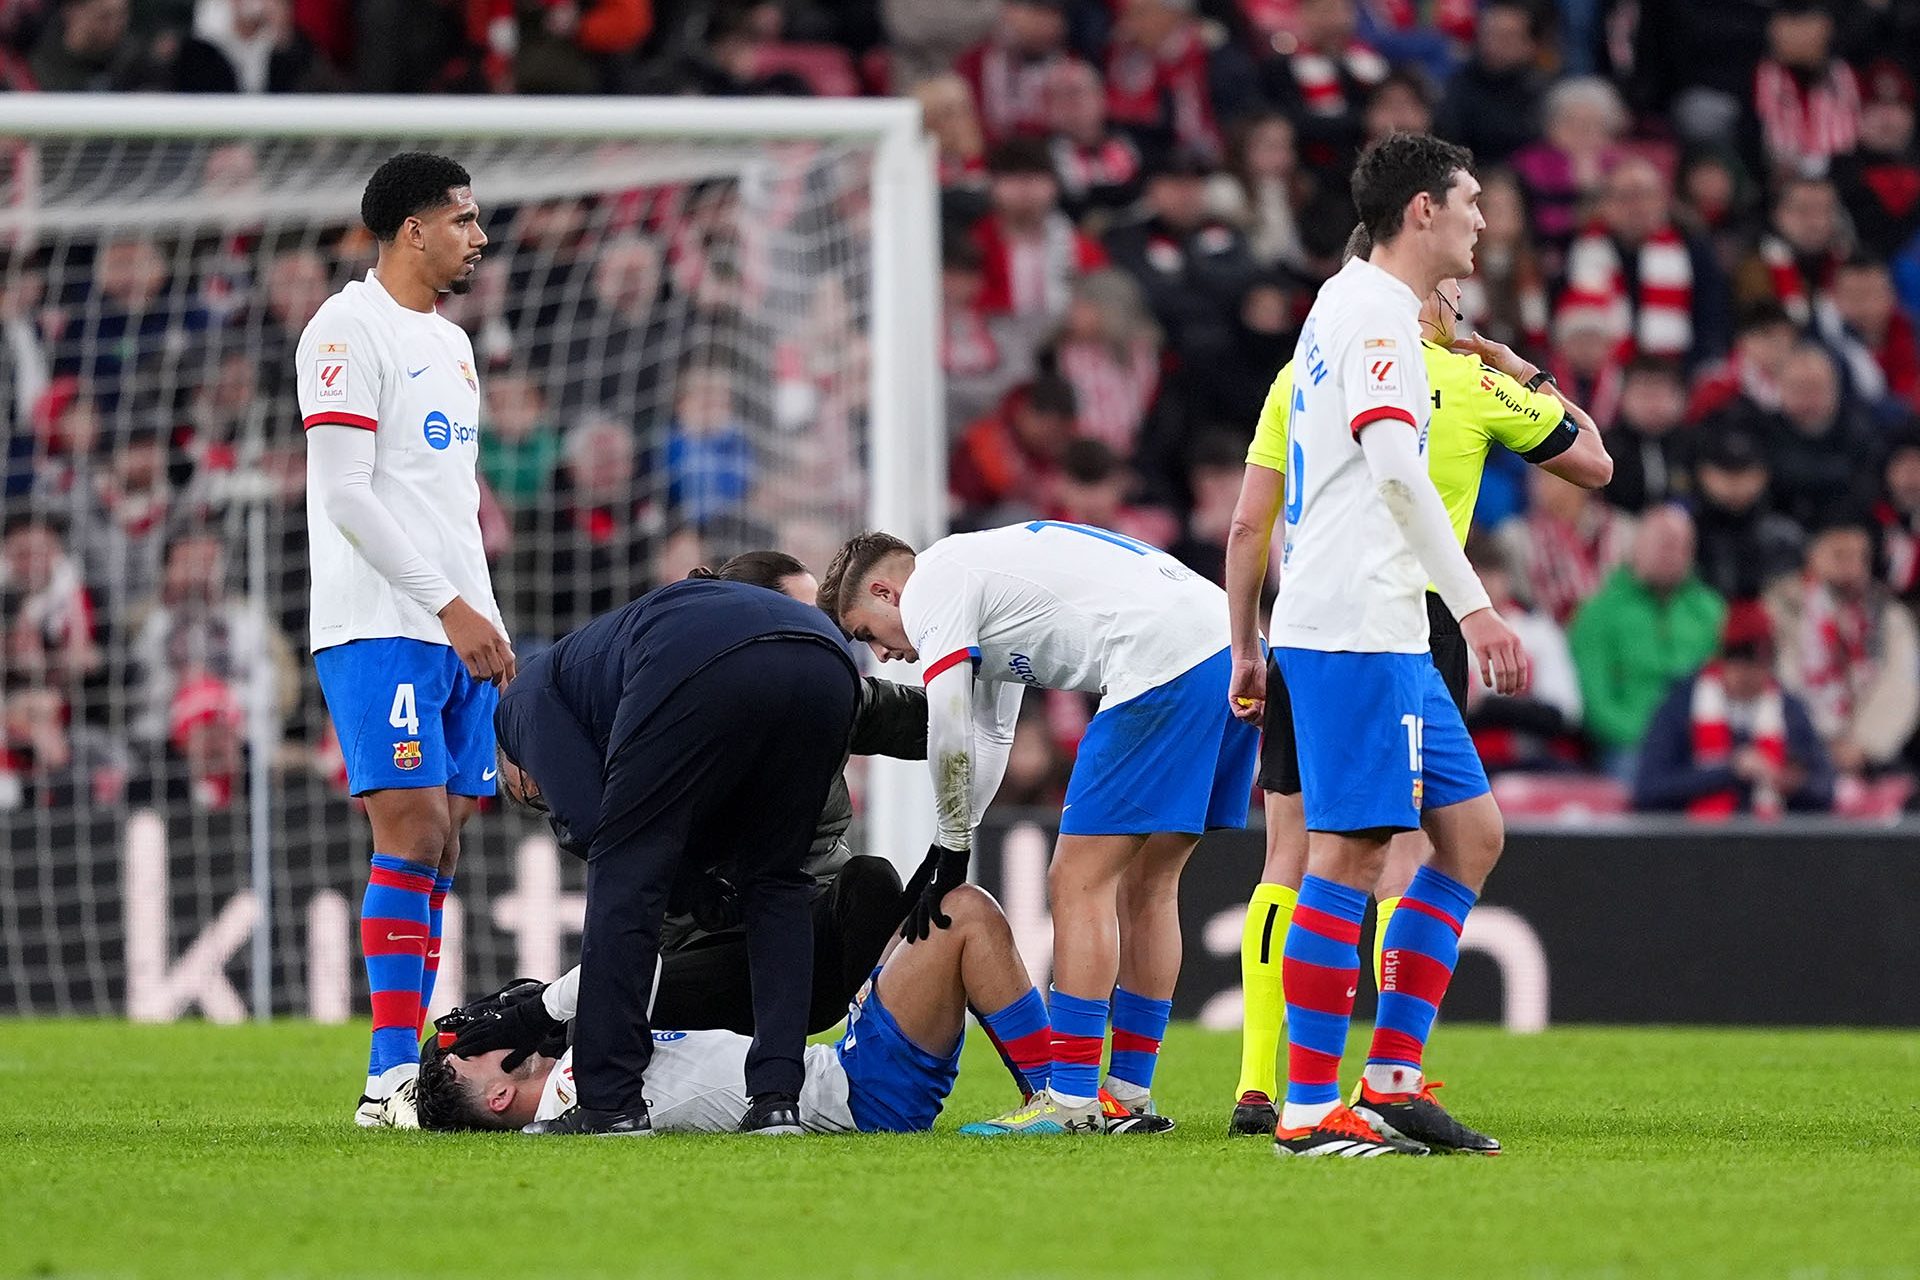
(1540, 379)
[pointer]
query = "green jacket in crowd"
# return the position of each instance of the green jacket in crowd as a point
(1631, 644)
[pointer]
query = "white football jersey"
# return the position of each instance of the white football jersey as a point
(697, 1083)
(1349, 581)
(1062, 606)
(408, 376)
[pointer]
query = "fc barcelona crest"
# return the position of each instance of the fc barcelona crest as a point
(406, 755)
(1419, 786)
(466, 371)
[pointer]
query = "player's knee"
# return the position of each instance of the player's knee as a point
(969, 905)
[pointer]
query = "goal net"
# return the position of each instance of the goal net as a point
(700, 328)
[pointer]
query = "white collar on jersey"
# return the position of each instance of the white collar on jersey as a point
(1383, 279)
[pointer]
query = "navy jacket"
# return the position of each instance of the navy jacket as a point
(1667, 779)
(611, 675)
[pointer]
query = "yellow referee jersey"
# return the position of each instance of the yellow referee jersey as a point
(1473, 407)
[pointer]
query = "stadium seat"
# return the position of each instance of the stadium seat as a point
(1559, 795)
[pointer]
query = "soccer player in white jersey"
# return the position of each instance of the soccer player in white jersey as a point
(890, 1072)
(407, 639)
(1382, 748)
(1064, 606)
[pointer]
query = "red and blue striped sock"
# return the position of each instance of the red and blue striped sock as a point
(1139, 1025)
(395, 917)
(1079, 1034)
(1416, 964)
(1320, 972)
(1024, 1039)
(436, 909)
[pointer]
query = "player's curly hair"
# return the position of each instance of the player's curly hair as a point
(445, 1102)
(850, 566)
(406, 185)
(1396, 169)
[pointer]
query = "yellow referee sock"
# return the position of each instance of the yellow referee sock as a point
(1262, 940)
(1382, 913)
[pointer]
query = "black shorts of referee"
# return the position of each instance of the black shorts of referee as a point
(1280, 753)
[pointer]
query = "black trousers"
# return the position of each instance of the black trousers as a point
(738, 758)
(706, 987)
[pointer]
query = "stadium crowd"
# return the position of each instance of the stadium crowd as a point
(1703, 218)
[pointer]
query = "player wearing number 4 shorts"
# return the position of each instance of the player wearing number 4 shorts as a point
(1382, 748)
(1482, 394)
(1063, 606)
(407, 638)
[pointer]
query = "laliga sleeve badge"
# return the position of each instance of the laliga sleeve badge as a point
(406, 755)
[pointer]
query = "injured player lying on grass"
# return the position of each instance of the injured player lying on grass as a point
(890, 1072)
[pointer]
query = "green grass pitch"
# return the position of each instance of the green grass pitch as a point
(204, 1151)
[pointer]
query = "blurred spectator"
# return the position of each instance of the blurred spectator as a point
(1109, 349)
(1692, 63)
(983, 354)
(570, 46)
(1584, 123)
(1897, 514)
(1008, 70)
(1263, 192)
(1492, 104)
(1587, 363)
(925, 38)
(1531, 730)
(1099, 168)
(1731, 740)
(1193, 266)
(1648, 441)
(205, 762)
(248, 46)
(709, 462)
(1565, 546)
(1879, 182)
(1030, 250)
(1743, 543)
(1750, 377)
(132, 321)
(1226, 379)
(613, 348)
(1095, 488)
(1717, 203)
(946, 105)
(1798, 258)
(1651, 623)
(1505, 298)
(45, 607)
(520, 447)
(48, 762)
(1657, 293)
(1875, 338)
(196, 628)
(1401, 103)
(1159, 88)
(1806, 101)
(215, 447)
(1214, 473)
(1321, 79)
(125, 531)
(680, 552)
(87, 46)
(1007, 463)
(597, 545)
(1815, 440)
(294, 282)
(1848, 649)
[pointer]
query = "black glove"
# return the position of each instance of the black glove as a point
(714, 903)
(943, 869)
(519, 1026)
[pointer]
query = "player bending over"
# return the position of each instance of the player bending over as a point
(1382, 748)
(407, 639)
(1065, 606)
(1482, 393)
(889, 1073)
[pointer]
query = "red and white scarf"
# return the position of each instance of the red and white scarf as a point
(967, 345)
(1805, 126)
(1713, 743)
(1900, 539)
(1114, 390)
(1319, 76)
(1566, 561)
(1838, 643)
(1663, 325)
(1801, 297)
(1010, 89)
(1031, 276)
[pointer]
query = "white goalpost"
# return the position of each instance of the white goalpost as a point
(702, 326)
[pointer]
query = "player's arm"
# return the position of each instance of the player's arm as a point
(1385, 421)
(941, 619)
(1543, 425)
(1249, 542)
(339, 383)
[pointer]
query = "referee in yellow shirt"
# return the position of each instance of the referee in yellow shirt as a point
(1483, 394)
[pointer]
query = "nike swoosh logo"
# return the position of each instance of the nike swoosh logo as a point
(1352, 992)
(414, 373)
(406, 937)
(434, 954)
(490, 775)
